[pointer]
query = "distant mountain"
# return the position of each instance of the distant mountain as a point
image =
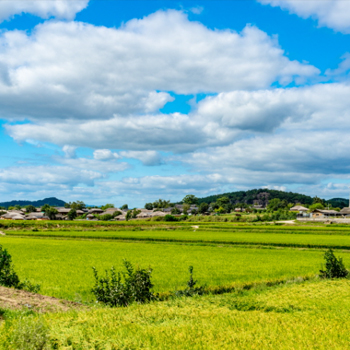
(339, 202)
(54, 202)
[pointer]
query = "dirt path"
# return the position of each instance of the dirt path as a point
(18, 299)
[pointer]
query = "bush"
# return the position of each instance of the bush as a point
(30, 334)
(122, 289)
(9, 278)
(334, 267)
(170, 218)
(105, 217)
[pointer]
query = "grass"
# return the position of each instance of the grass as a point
(311, 315)
(234, 236)
(63, 267)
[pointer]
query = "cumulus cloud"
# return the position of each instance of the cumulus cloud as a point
(334, 14)
(80, 71)
(219, 121)
(266, 110)
(69, 151)
(41, 176)
(62, 9)
(105, 154)
(149, 158)
(164, 132)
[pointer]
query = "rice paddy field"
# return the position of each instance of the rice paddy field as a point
(285, 307)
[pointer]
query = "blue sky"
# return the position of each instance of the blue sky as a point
(131, 101)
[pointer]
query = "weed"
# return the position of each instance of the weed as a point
(30, 334)
(191, 289)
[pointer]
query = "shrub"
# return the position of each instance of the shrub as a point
(334, 267)
(105, 217)
(30, 334)
(122, 289)
(170, 218)
(9, 278)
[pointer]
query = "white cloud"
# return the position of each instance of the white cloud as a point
(105, 154)
(219, 121)
(69, 151)
(62, 9)
(80, 71)
(167, 132)
(102, 166)
(334, 14)
(41, 176)
(310, 107)
(149, 158)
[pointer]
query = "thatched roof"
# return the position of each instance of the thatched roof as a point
(158, 213)
(324, 211)
(95, 211)
(345, 211)
(298, 208)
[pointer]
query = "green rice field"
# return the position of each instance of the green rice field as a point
(63, 267)
(265, 305)
(253, 237)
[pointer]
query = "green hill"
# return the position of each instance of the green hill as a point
(260, 196)
(53, 201)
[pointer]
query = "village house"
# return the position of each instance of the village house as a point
(324, 214)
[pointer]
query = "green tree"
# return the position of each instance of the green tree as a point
(223, 201)
(149, 206)
(128, 215)
(175, 211)
(30, 209)
(185, 208)
(316, 206)
(190, 199)
(203, 208)
(274, 204)
(72, 214)
(316, 200)
(124, 206)
(220, 210)
(106, 206)
(51, 213)
(45, 207)
(161, 204)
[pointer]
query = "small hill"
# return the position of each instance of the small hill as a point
(260, 196)
(52, 201)
(338, 202)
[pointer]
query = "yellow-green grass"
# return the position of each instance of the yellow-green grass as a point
(311, 315)
(252, 237)
(63, 267)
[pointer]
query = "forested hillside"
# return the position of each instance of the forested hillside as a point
(53, 201)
